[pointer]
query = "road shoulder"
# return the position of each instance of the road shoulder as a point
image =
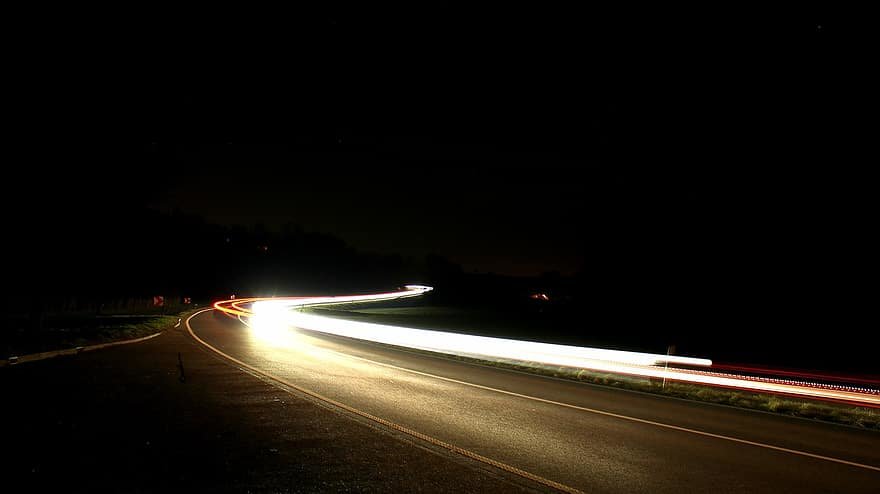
(164, 414)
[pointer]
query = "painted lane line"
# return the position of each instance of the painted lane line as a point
(616, 415)
(392, 425)
(287, 311)
(33, 357)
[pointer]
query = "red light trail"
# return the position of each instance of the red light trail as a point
(282, 313)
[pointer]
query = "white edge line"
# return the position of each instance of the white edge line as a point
(615, 415)
(585, 409)
(35, 357)
(387, 423)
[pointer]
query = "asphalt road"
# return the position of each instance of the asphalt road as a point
(591, 438)
(122, 420)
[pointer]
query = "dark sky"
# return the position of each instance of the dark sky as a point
(510, 140)
(508, 219)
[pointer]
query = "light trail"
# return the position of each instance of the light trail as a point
(271, 318)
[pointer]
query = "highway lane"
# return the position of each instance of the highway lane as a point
(267, 313)
(588, 437)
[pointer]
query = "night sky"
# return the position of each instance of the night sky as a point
(507, 219)
(512, 141)
(517, 141)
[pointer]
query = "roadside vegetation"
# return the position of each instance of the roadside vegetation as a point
(71, 331)
(863, 417)
(439, 318)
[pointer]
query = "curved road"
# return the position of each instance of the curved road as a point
(584, 437)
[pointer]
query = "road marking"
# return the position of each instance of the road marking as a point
(567, 405)
(34, 357)
(615, 415)
(387, 423)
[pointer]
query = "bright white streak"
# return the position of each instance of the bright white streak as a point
(455, 343)
(280, 317)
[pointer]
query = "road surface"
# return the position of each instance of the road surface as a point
(583, 437)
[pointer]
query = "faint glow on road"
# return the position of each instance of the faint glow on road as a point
(270, 320)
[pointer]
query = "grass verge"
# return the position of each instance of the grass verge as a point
(78, 332)
(838, 413)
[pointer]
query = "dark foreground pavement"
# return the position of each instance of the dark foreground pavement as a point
(121, 420)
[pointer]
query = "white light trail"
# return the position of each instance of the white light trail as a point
(271, 318)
